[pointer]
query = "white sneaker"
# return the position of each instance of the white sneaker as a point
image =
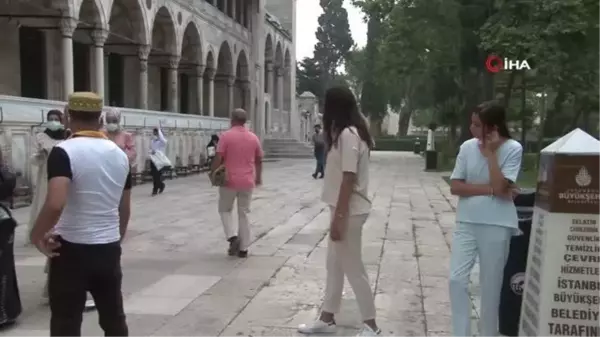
(318, 327)
(367, 331)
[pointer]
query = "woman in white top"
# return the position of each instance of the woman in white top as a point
(345, 191)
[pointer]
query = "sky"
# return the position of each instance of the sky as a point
(307, 13)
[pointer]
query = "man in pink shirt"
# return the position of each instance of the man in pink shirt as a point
(240, 151)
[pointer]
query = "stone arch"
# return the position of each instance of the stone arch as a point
(128, 22)
(191, 45)
(268, 66)
(189, 70)
(241, 67)
(225, 82)
(88, 28)
(242, 84)
(163, 63)
(225, 60)
(208, 81)
(269, 50)
(276, 100)
(164, 34)
(90, 14)
(287, 83)
(278, 55)
(210, 59)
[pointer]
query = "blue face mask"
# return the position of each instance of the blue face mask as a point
(54, 126)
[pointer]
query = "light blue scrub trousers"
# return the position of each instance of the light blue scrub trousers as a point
(491, 243)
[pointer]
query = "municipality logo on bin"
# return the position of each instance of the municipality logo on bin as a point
(516, 283)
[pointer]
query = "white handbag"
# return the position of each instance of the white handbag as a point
(160, 160)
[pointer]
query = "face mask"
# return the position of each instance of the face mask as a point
(54, 125)
(112, 127)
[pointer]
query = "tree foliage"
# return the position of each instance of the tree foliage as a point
(431, 60)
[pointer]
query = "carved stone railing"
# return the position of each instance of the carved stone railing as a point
(21, 118)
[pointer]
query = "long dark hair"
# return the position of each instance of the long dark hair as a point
(492, 114)
(340, 112)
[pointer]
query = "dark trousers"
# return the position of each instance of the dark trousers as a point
(320, 157)
(80, 269)
(157, 182)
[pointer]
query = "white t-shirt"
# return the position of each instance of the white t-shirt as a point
(99, 172)
(350, 155)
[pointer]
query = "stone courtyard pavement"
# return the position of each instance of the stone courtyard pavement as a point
(178, 280)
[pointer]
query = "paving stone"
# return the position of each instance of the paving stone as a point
(179, 281)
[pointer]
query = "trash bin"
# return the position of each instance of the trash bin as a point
(511, 294)
(417, 147)
(431, 160)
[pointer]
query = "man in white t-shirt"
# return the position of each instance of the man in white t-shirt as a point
(86, 210)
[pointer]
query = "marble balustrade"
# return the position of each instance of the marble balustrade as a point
(21, 118)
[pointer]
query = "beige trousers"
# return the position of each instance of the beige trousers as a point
(345, 258)
(227, 196)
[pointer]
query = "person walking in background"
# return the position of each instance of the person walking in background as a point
(211, 149)
(345, 190)
(10, 299)
(318, 141)
(53, 134)
(83, 220)
(114, 132)
(483, 178)
(241, 153)
(157, 160)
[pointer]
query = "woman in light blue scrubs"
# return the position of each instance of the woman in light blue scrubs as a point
(486, 169)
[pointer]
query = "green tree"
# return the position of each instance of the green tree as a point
(334, 41)
(308, 77)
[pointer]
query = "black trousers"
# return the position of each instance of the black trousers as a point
(157, 182)
(80, 269)
(320, 157)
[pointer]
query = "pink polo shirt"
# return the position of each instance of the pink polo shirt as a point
(239, 148)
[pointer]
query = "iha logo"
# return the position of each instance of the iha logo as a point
(495, 64)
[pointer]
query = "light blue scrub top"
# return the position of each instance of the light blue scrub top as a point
(472, 167)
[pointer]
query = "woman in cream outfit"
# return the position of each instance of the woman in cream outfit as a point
(53, 134)
(345, 190)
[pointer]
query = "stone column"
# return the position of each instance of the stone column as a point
(200, 88)
(173, 83)
(234, 10)
(143, 53)
(67, 27)
(270, 79)
(230, 93)
(280, 72)
(246, 101)
(225, 7)
(99, 36)
(210, 73)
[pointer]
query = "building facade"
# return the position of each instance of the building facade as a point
(185, 64)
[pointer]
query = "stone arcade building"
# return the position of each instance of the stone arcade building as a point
(185, 63)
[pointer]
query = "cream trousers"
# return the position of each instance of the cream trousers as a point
(345, 258)
(227, 196)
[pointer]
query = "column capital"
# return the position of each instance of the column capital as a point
(200, 70)
(174, 61)
(99, 36)
(280, 71)
(67, 26)
(210, 73)
(231, 80)
(269, 66)
(144, 52)
(246, 85)
(258, 66)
